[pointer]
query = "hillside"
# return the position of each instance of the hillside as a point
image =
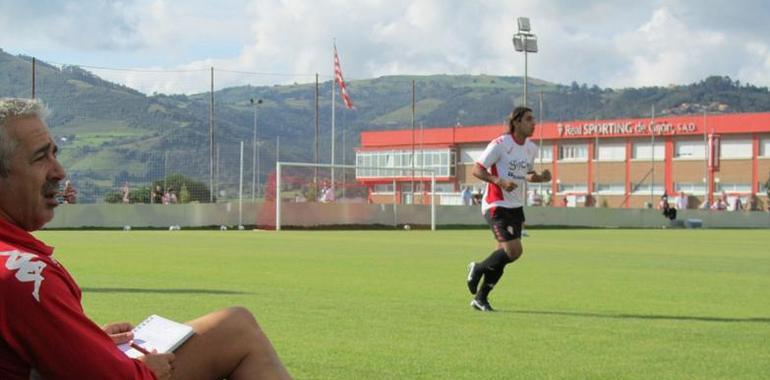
(110, 133)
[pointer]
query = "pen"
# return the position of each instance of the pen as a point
(139, 348)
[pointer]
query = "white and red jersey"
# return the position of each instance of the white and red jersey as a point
(509, 160)
(43, 330)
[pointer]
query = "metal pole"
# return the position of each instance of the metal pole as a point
(334, 91)
(707, 193)
(254, 157)
(526, 82)
(211, 139)
(596, 153)
(432, 201)
(277, 148)
(540, 148)
(258, 166)
(240, 192)
(652, 158)
(317, 132)
(422, 149)
(413, 111)
(34, 61)
(344, 162)
(165, 171)
(216, 177)
(395, 204)
(277, 194)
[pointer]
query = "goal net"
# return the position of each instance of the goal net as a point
(308, 195)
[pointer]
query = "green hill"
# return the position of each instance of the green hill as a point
(110, 133)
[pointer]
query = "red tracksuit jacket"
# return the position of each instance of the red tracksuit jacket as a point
(43, 330)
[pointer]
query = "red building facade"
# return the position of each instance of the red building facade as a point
(611, 163)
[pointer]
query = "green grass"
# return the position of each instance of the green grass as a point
(608, 304)
(404, 114)
(86, 127)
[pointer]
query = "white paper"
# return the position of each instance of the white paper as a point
(157, 333)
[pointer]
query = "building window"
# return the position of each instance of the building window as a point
(573, 188)
(735, 148)
(690, 188)
(644, 188)
(383, 189)
(573, 152)
(470, 155)
(610, 188)
(643, 150)
(690, 149)
(390, 164)
(764, 147)
(445, 188)
(545, 154)
(733, 187)
(611, 152)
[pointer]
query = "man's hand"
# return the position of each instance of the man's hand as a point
(545, 176)
(70, 195)
(506, 185)
(119, 332)
(159, 364)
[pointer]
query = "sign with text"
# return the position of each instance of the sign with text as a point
(625, 129)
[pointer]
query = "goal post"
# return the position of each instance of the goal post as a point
(349, 200)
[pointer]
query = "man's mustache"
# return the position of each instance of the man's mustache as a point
(50, 187)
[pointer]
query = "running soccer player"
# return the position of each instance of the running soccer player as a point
(506, 163)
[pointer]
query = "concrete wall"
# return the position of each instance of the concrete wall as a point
(318, 214)
(147, 215)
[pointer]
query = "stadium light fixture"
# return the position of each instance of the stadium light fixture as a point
(526, 41)
(523, 24)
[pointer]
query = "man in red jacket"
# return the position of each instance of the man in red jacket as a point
(43, 330)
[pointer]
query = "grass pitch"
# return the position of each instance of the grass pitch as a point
(662, 304)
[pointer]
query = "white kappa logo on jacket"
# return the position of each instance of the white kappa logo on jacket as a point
(28, 270)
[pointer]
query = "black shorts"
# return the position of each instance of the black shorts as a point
(506, 222)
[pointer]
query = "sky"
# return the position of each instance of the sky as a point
(168, 46)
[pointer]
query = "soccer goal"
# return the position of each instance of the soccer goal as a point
(309, 195)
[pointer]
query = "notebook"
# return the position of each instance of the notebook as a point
(157, 333)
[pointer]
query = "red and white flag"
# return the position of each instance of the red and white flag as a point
(340, 81)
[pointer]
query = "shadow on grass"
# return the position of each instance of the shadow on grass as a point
(641, 316)
(160, 291)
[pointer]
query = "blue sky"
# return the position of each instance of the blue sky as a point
(609, 43)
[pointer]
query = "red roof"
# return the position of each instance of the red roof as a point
(664, 126)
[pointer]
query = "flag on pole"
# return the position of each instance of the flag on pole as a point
(340, 81)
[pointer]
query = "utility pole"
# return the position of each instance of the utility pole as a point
(211, 139)
(334, 91)
(413, 111)
(540, 148)
(34, 61)
(255, 160)
(652, 157)
(317, 132)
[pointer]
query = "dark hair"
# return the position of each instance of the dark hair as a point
(516, 115)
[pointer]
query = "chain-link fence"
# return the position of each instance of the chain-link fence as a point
(121, 145)
(179, 176)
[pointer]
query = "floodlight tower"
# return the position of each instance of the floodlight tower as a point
(525, 41)
(254, 165)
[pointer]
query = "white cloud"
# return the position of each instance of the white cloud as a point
(758, 64)
(665, 50)
(617, 44)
